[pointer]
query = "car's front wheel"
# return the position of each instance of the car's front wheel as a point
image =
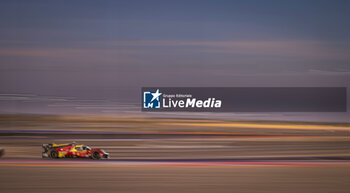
(95, 155)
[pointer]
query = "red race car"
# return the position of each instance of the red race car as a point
(72, 150)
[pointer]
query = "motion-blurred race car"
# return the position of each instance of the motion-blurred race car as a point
(72, 150)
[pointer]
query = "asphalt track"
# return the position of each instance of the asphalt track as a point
(343, 161)
(172, 176)
(187, 156)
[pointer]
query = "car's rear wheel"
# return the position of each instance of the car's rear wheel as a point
(54, 154)
(95, 155)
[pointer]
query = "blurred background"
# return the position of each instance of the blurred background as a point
(73, 71)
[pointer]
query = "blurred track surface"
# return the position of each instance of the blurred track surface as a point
(255, 178)
(223, 162)
(176, 155)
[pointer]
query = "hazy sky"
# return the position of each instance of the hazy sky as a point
(107, 50)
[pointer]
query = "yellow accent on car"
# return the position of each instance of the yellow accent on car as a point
(58, 145)
(62, 154)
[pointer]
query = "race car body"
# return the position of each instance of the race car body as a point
(72, 150)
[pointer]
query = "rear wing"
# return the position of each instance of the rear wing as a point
(46, 147)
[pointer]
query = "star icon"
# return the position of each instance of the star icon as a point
(156, 95)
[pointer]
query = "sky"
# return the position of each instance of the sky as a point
(72, 55)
